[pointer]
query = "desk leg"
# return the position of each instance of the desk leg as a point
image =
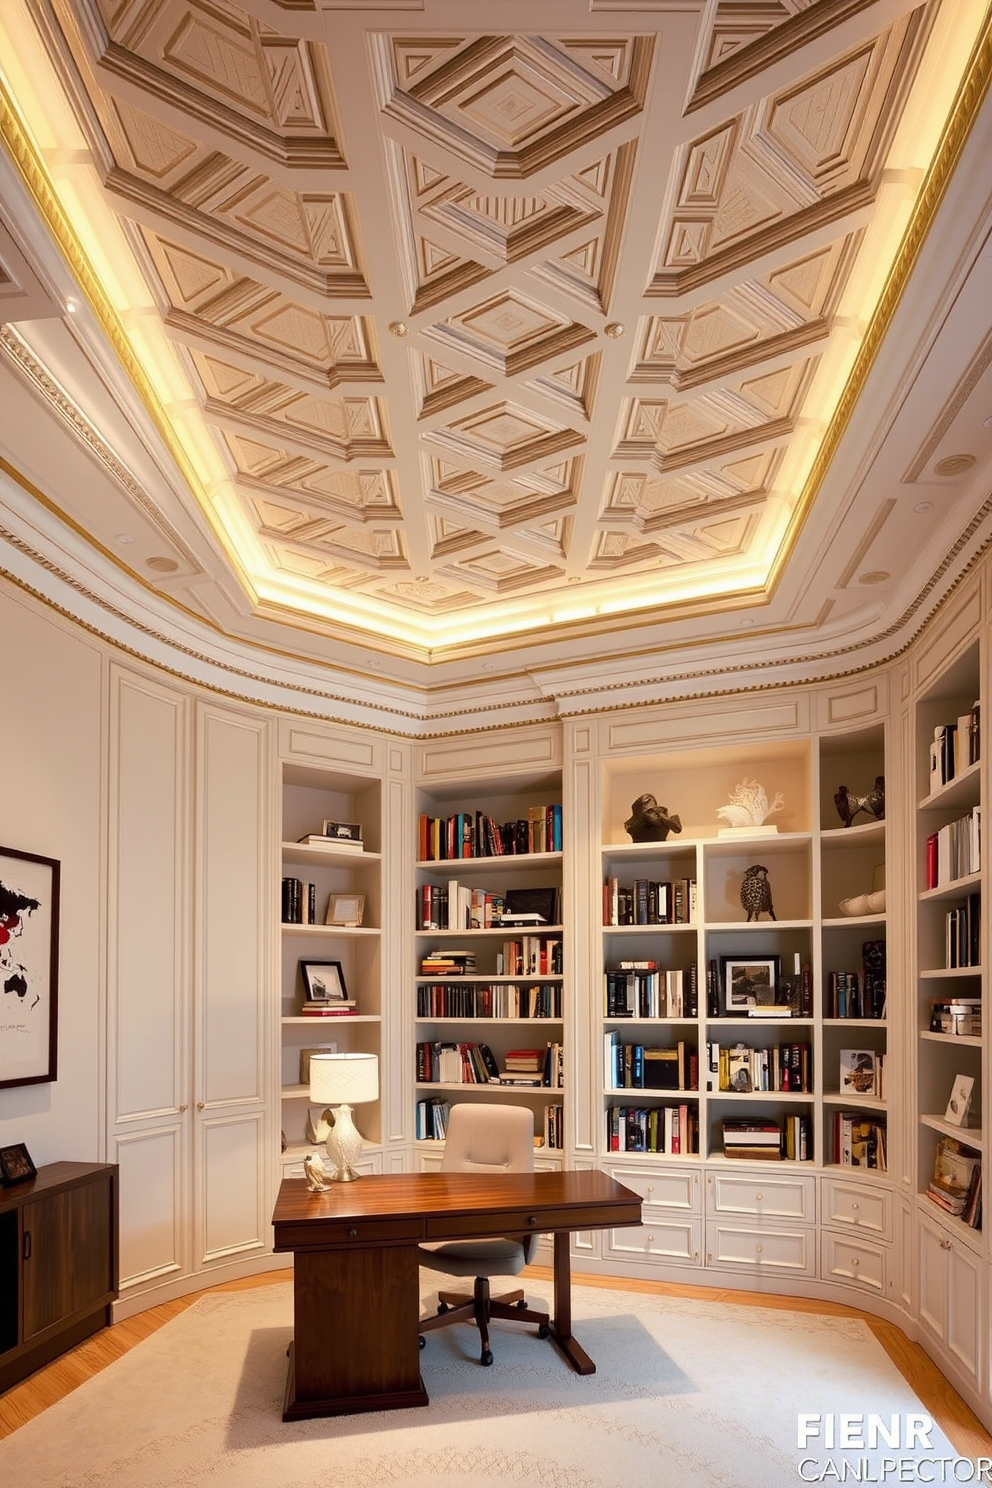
(561, 1323)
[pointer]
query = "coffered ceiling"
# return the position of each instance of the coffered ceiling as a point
(448, 329)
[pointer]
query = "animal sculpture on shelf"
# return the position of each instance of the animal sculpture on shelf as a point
(756, 892)
(649, 822)
(872, 803)
(316, 1173)
(749, 805)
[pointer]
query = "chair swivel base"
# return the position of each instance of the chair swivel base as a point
(456, 1307)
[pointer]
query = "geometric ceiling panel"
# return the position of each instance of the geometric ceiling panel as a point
(345, 428)
(804, 156)
(502, 436)
(360, 497)
(219, 65)
(789, 307)
(509, 333)
(174, 181)
(510, 105)
(480, 503)
(650, 502)
(207, 304)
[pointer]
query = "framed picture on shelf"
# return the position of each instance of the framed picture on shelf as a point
(959, 1104)
(747, 982)
(345, 909)
(323, 981)
(29, 967)
(16, 1165)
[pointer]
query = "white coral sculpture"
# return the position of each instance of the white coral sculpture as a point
(749, 805)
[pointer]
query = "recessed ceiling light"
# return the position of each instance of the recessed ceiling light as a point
(162, 565)
(923, 506)
(876, 576)
(123, 538)
(954, 465)
(71, 307)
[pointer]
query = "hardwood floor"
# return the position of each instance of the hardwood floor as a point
(42, 1389)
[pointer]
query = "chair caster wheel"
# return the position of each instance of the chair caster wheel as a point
(544, 1331)
(423, 1341)
(487, 1357)
(442, 1307)
(522, 1303)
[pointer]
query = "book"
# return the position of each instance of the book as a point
(320, 839)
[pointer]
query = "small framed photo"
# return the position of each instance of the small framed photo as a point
(748, 982)
(323, 981)
(345, 909)
(307, 1054)
(16, 1165)
(959, 1106)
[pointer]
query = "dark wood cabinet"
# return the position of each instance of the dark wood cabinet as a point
(58, 1263)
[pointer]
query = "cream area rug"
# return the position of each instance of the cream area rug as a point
(689, 1394)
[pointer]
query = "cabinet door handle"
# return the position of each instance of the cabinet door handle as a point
(26, 1245)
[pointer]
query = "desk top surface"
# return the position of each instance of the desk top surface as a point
(591, 1197)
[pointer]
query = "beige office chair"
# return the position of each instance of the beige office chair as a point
(484, 1139)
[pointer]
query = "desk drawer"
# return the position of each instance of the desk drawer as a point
(347, 1233)
(668, 1188)
(518, 1222)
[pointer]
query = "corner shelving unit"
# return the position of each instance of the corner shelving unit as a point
(483, 988)
(853, 925)
(311, 796)
(948, 793)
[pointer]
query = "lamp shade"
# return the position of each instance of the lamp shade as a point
(343, 1079)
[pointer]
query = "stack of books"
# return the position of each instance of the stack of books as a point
(523, 1067)
(341, 1007)
(956, 1185)
(447, 963)
(758, 1139)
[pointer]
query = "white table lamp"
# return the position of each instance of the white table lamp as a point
(342, 1081)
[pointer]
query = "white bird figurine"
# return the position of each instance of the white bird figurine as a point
(317, 1179)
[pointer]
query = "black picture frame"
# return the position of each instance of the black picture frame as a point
(16, 1165)
(748, 981)
(323, 981)
(29, 967)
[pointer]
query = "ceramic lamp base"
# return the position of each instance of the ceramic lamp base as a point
(344, 1146)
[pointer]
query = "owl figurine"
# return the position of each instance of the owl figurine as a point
(756, 892)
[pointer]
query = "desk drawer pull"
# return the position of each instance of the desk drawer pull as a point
(532, 1219)
(352, 1234)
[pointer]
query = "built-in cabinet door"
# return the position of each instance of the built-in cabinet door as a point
(189, 1043)
(951, 1298)
(231, 986)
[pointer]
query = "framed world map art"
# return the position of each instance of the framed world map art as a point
(29, 967)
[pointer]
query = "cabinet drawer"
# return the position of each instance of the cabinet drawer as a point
(853, 1259)
(661, 1239)
(856, 1206)
(772, 1196)
(772, 1250)
(670, 1188)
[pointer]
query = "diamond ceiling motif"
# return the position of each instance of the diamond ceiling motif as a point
(467, 314)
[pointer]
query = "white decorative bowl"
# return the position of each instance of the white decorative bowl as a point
(876, 902)
(856, 906)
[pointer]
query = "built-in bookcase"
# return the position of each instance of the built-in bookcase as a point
(853, 988)
(503, 984)
(311, 797)
(950, 940)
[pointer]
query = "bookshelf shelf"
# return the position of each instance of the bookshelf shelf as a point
(968, 1136)
(967, 1041)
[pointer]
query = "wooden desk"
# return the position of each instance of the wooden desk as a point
(356, 1287)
